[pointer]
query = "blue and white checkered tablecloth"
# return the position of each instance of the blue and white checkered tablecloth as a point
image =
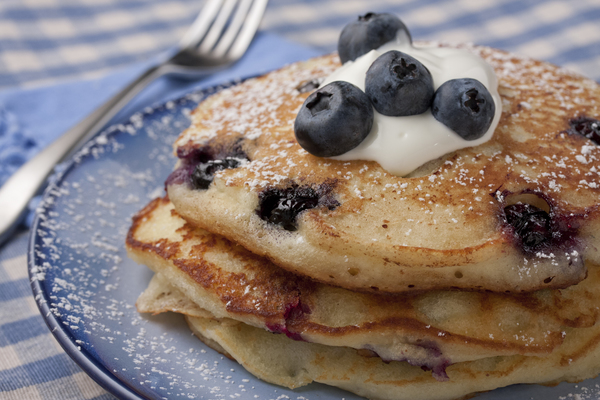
(88, 48)
(42, 41)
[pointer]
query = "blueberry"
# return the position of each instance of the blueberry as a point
(465, 106)
(531, 224)
(399, 85)
(204, 172)
(369, 32)
(281, 206)
(588, 127)
(334, 120)
(308, 86)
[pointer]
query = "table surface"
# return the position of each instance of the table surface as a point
(51, 42)
(42, 41)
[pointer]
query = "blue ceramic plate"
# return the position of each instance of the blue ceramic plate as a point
(86, 287)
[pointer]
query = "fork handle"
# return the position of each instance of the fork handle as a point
(24, 184)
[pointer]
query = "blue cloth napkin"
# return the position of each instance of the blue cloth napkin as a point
(32, 118)
(31, 366)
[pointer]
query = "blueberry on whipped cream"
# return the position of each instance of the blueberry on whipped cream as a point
(465, 106)
(369, 32)
(334, 120)
(399, 85)
(400, 81)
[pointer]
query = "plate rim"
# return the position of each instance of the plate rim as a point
(83, 358)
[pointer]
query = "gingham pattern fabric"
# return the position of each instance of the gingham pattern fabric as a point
(48, 41)
(33, 366)
(45, 40)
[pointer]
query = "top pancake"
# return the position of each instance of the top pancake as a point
(444, 226)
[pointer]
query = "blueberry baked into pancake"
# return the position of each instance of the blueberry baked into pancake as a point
(424, 212)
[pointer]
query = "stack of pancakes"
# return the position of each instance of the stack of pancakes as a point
(420, 287)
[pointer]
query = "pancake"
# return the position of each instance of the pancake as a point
(282, 361)
(160, 296)
(445, 225)
(431, 329)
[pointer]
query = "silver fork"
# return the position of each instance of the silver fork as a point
(218, 37)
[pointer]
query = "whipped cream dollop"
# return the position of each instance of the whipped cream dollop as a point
(402, 144)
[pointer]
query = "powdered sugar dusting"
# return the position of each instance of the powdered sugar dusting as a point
(251, 109)
(87, 286)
